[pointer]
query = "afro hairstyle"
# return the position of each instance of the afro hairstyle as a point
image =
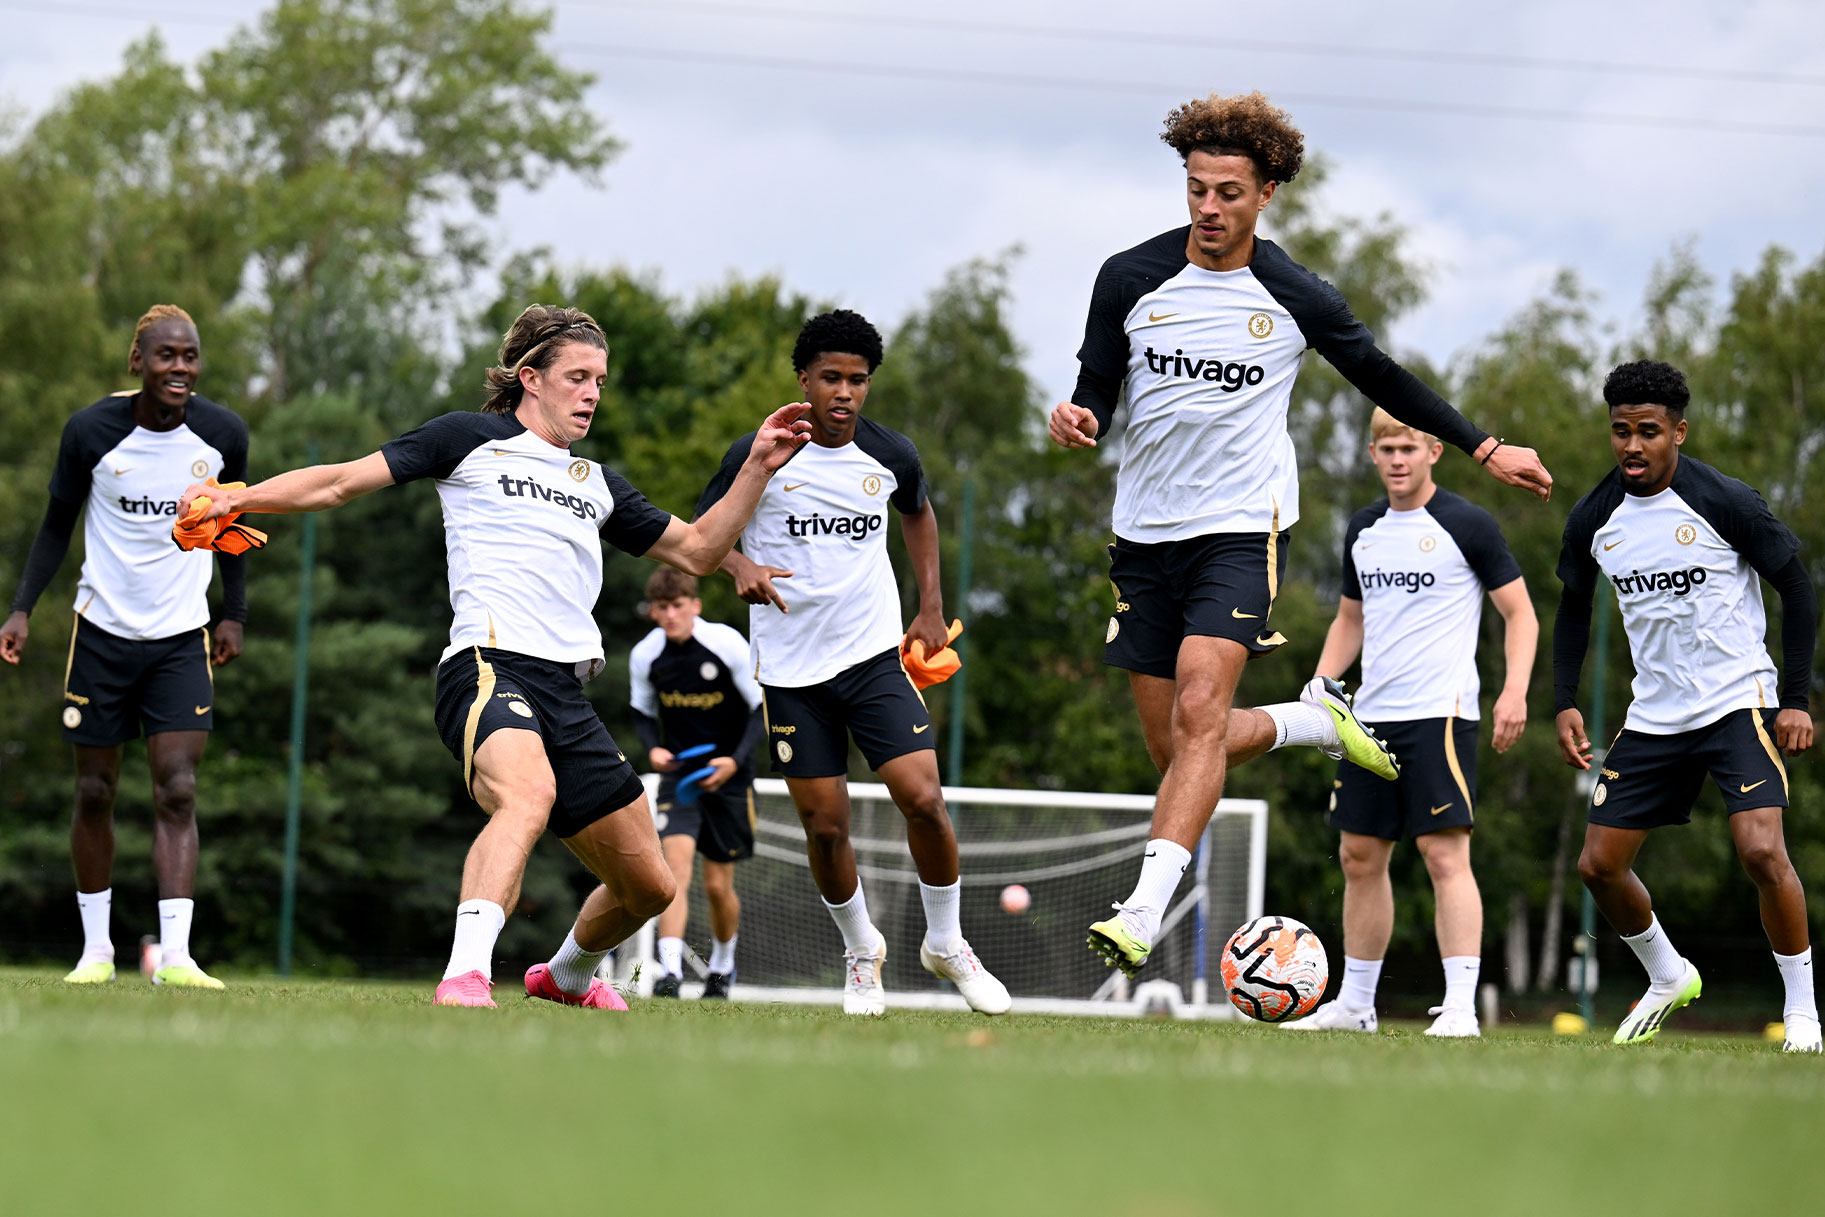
(842, 332)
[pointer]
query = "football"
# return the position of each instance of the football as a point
(1274, 968)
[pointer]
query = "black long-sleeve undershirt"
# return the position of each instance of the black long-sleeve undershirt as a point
(1799, 636)
(652, 736)
(47, 553)
(1097, 394)
(52, 545)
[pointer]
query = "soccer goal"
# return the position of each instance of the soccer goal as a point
(1074, 853)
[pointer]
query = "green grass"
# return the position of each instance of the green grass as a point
(328, 1098)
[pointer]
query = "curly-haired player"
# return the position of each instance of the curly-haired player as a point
(830, 667)
(1207, 325)
(1686, 549)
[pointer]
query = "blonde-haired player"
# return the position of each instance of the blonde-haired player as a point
(1416, 566)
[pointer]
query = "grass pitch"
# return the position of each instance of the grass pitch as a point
(318, 1097)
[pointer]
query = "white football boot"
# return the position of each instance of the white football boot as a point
(1643, 1022)
(862, 991)
(959, 965)
(1454, 1024)
(1802, 1035)
(1335, 1016)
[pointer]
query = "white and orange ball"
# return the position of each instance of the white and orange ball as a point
(1274, 968)
(1016, 899)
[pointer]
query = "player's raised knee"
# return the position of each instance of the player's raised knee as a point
(1200, 711)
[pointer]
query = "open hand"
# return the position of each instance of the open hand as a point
(783, 433)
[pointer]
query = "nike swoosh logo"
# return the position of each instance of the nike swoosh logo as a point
(468, 912)
(1613, 545)
(790, 487)
(1747, 789)
(1152, 852)
(926, 727)
(205, 710)
(1437, 810)
(1160, 316)
(501, 452)
(1239, 615)
(128, 469)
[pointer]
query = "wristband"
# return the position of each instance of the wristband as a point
(1499, 442)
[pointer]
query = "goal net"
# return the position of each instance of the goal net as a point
(1074, 853)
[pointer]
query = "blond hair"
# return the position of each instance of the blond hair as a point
(1383, 425)
(152, 316)
(533, 341)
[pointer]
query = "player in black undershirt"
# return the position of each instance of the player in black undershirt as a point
(697, 706)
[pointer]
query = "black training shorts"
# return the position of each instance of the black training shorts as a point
(114, 688)
(721, 821)
(808, 728)
(481, 690)
(1217, 586)
(1436, 788)
(1651, 781)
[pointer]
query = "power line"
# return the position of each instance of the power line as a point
(1153, 38)
(1340, 101)
(1079, 83)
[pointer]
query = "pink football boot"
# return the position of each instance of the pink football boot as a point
(469, 989)
(600, 996)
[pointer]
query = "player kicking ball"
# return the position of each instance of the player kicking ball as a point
(141, 657)
(1686, 549)
(1207, 325)
(697, 711)
(1416, 567)
(828, 651)
(524, 522)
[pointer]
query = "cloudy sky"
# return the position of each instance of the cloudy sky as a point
(859, 149)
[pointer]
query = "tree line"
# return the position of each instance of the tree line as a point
(314, 193)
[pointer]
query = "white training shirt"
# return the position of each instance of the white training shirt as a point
(1209, 358)
(1683, 565)
(1421, 576)
(136, 583)
(524, 524)
(824, 518)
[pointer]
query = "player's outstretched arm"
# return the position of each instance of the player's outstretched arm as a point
(313, 488)
(700, 547)
(1520, 639)
(1343, 641)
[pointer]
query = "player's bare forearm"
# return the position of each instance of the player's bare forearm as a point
(1343, 641)
(920, 529)
(313, 488)
(705, 545)
(1520, 635)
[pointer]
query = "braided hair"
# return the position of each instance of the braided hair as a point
(533, 341)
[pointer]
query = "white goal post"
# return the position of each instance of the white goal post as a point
(1075, 853)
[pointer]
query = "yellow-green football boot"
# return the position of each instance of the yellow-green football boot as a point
(1355, 743)
(185, 976)
(1643, 1022)
(95, 972)
(1116, 943)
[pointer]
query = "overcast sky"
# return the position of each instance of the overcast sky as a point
(865, 183)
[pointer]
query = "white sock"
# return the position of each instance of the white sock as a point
(1796, 974)
(174, 931)
(722, 955)
(572, 968)
(671, 957)
(1297, 723)
(1655, 951)
(1161, 870)
(852, 921)
(94, 906)
(478, 924)
(1461, 972)
(943, 914)
(1360, 976)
